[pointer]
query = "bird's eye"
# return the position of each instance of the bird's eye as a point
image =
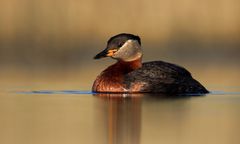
(120, 45)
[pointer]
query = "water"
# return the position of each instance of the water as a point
(42, 109)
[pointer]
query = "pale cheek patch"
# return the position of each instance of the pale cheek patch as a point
(131, 50)
(124, 49)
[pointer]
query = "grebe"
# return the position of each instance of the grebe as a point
(130, 75)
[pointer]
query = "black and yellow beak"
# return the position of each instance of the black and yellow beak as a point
(105, 53)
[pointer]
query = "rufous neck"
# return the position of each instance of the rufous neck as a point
(135, 64)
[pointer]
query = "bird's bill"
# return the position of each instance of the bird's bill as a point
(105, 53)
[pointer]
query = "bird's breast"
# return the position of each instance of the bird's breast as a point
(112, 78)
(108, 83)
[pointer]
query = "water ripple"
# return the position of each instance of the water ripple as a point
(57, 92)
(90, 92)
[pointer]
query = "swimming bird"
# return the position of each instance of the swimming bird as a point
(130, 75)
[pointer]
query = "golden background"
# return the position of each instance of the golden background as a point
(59, 33)
(49, 45)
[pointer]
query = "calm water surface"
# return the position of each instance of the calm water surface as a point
(34, 110)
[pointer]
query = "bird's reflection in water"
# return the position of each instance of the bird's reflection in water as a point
(122, 118)
(120, 115)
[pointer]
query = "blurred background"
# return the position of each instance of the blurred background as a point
(48, 46)
(39, 36)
